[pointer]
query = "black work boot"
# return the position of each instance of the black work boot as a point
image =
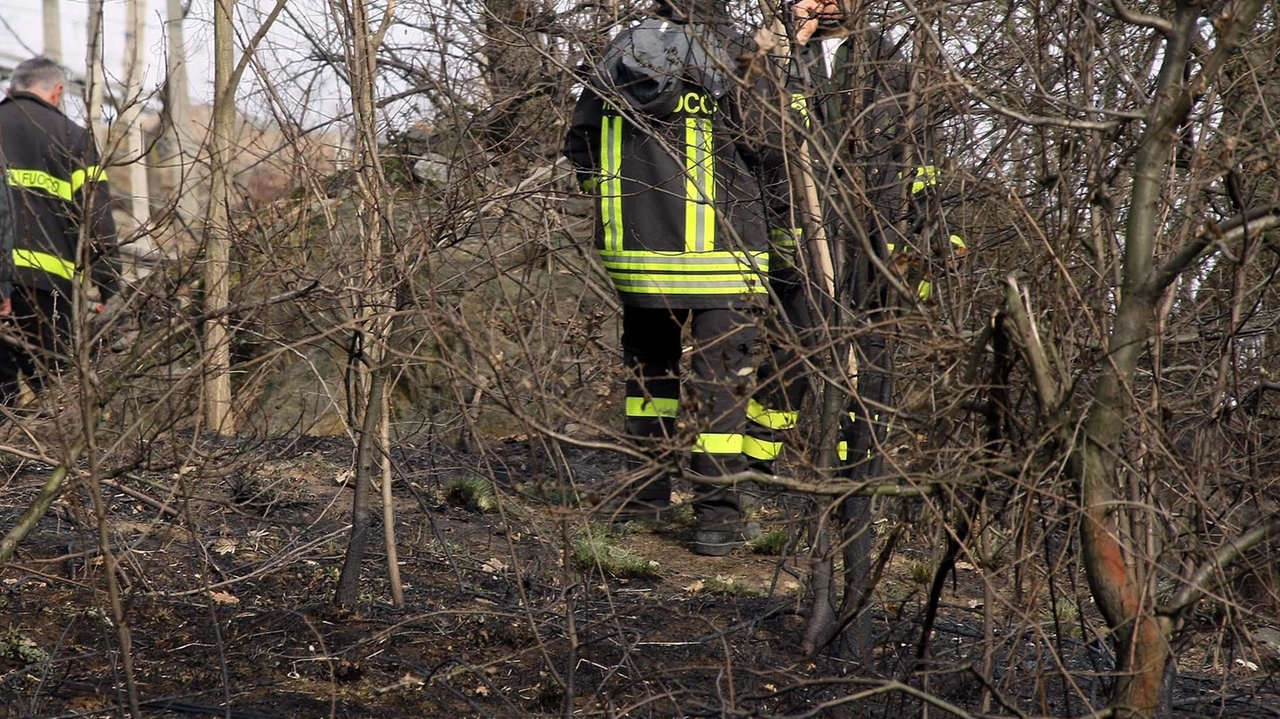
(649, 502)
(722, 524)
(717, 540)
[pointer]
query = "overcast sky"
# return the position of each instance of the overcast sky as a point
(22, 34)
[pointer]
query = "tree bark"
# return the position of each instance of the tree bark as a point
(135, 59)
(180, 166)
(1109, 552)
(217, 237)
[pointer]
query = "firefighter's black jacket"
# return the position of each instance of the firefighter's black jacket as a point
(8, 231)
(56, 185)
(658, 135)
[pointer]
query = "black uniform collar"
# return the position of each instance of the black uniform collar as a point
(24, 95)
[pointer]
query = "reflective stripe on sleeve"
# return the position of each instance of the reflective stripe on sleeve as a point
(611, 181)
(92, 173)
(771, 418)
(783, 242)
(52, 264)
(717, 443)
(801, 105)
(652, 407)
(925, 176)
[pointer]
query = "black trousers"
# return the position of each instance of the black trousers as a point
(790, 334)
(715, 397)
(785, 379)
(43, 323)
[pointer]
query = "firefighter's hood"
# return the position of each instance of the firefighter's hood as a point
(649, 64)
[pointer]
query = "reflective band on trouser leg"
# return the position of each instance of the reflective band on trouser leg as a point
(652, 407)
(611, 181)
(52, 264)
(700, 186)
(715, 443)
(757, 448)
(771, 418)
(842, 451)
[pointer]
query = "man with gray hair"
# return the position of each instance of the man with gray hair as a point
(62, 219)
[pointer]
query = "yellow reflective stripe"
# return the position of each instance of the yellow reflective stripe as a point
(699, 186)
(52, 264)
(41, 180)
(785, 236)
(611, 181)
(801, 104)
(771, 418)
(925, 176)
(718, 443)
(654, 285)
(842, 451)
(760, 449)
(652, 407)
(92, 173)
(782, 252)
(746, 263)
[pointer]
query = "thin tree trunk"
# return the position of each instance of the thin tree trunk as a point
(180, 165)
(388, 506)
(1108, 549)
(135, 58)
(217, 378)
(373, 300)
(97, 78)
(349, 582)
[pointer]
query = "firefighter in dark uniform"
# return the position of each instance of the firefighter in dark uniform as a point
(658, 136)
(864, 80)
(60, 195)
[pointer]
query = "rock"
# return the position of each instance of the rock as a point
(433, 169)
(1267, 642)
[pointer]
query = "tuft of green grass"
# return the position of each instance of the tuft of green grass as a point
(680, 516)
(539, 492)
(1064, 609)
(471, 492)
(594, 548)
(921, 572)
(771, 543)
(721, 587)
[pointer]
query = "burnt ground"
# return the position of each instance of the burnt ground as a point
(228, 602)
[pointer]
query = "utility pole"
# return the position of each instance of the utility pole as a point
(53, 30)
